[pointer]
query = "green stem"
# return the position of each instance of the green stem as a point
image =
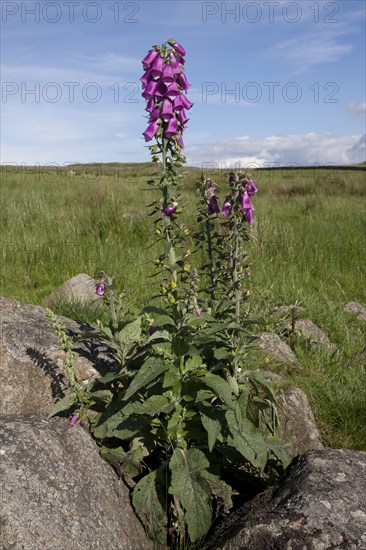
(210, 259)
(235, 271)
(112, 308)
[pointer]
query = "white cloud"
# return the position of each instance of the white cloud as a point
(357, 108)
(301, 149)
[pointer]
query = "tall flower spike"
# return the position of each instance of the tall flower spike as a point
(164, 85)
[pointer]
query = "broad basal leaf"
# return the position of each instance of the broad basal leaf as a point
(149, 498)
(247, 439)
(192, 489)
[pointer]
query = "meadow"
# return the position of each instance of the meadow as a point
(306, 247)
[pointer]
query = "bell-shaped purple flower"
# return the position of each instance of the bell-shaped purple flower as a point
(249, 215)
(167, 110)
(186, 103)
(183, 117)
(183, 82)
(172, 128)
(161, 89)
(226, 209)
(213, 206)
(157, 67)
(100, 289)
(150, 89)
(178, 104)
(150, 105)
(245, 201)
(176, 66)
(73, 420)
(151, 130)
(155, 114)
(246, 207)
(149, 58)
(179, 49)
(168, 76)
(173, 91)
(145, 78)
(199, 312)
(170, 209)
(251, 188)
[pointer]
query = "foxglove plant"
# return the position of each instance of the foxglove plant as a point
(180, 411)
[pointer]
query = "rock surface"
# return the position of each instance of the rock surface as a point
(311, 332)
(31, 361)
(271, 343)
(297, 422)
(321, 505)
(58, 493)
(80, 288)
(357, 309)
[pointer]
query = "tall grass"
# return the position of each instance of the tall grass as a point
(307, 246)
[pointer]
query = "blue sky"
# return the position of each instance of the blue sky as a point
(273, 82)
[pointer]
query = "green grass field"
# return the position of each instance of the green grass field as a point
(307, 246)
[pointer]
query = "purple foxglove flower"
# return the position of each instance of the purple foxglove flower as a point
(73, 420)
(183, 117)
(150, 105)
(178, 104)
(213, 206)
(186, 103)
(179, 49)
(150, 89)
(155, 114)
(199, 312)
(245, 201)
(160, 89)
(183, 82)
(149, 58)
(170, 210)
(145, 78)
(249, 215)
(167, 110)
(173, 91)
(172, 128)
(211, 189)
(151, 330)
(157, 67)
(251, 188)
(100, 289)
(176, 66)
(83, 424)
(151, 130)
(168, 76)
(226, 209)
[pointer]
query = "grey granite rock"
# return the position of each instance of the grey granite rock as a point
(80, 288)
(321, 505)
(311, 332)
(357, 309)
(297, 422)
(32, 363)
(271, 343)
(58, 493)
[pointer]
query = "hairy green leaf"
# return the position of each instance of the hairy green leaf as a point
(63, 405)
(247, 439)
(212, 418)
(194, 492)
(149, 499)
(149, 371)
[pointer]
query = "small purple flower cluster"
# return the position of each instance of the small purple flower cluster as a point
(164, 84)
(247, 188)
